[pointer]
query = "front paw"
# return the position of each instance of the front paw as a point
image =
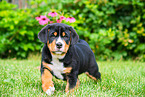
(50, 91)
(48, 88)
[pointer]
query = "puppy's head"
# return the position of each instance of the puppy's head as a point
(58, 37)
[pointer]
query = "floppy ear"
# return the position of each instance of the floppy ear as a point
(74, 36)
(42, 35)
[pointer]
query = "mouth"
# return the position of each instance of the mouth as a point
(58, 52)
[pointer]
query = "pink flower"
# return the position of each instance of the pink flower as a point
(62, 18)
(58, 20)
(52, 14)
(38, 18)
(43, 20)
(51, 21)
(70, 19)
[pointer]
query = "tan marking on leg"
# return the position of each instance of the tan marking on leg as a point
(72, 90)
(46, 80)
(67, 70)
(67, 86)
(76, 87)
(78, 83)
(46, 65)
(91, 76)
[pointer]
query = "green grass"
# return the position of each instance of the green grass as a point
(22, 78)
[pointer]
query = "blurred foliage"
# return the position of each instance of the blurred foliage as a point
(18, 31)
(114, 29)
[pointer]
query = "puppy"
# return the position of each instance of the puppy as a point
(65, 56)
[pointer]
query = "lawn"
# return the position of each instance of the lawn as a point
(119, 78)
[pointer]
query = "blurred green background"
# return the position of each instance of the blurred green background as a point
(114, 29)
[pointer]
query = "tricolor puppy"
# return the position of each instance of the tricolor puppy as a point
(65, 56)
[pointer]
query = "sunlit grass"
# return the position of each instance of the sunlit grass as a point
(22, 78)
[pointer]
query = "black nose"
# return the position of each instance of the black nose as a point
(59, 45)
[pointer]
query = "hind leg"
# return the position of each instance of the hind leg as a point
(94, 73)
(94, 76)
(87, 73)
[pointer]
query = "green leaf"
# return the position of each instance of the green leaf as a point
(23, 32)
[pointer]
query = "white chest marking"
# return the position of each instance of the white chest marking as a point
(57, 67)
